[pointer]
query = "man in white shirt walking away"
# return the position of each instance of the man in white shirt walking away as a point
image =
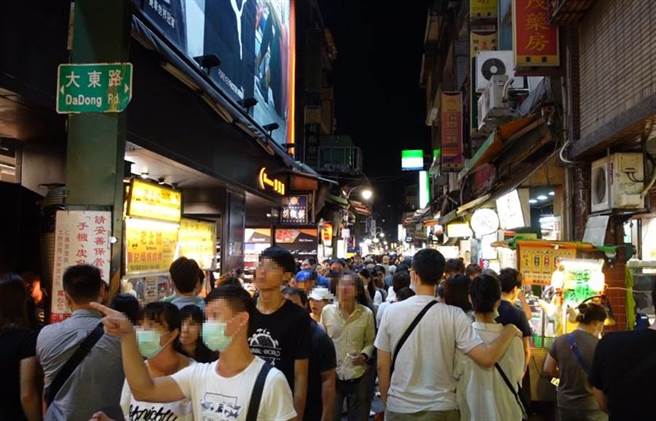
(483, 394)
(351, 327)
(420, 384)
(237, 387)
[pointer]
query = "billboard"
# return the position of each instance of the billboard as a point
(451, 131)
(254, 42)
(535, 42)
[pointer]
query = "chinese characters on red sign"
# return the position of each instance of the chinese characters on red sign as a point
(451, 131)
(81, 237)
(536, 40)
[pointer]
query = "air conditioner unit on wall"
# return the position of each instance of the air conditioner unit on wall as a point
(501, 62)
(617, 182)
(491, 63)
(491, 105)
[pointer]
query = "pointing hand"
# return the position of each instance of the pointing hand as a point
(115, 322)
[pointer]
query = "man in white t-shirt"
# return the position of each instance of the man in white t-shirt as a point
(422, 385)
(223, 390)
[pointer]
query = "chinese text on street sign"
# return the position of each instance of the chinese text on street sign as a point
(93, 87)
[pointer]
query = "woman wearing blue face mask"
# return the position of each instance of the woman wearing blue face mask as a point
(156, 338)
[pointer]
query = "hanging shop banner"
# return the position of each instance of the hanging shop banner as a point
(300, 242)
(482, 41)
(197, 240)
(482, 9)
(148, 200)
(538, 260)
(294, 210)
(451, 130)
(81, 237)
(535, 41)
(151, 245)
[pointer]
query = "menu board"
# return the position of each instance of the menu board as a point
(81, 237)
(151, 201)
(255, 241)
(151, 245)
(301, 242)
(197, 240)
(539, 259)
(149, 288)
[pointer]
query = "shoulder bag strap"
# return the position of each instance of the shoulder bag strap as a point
(511, 388)
(408, 331)
(577, 353)
(73, 362)
(256, 396)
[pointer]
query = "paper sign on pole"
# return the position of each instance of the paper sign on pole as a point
(81, 237)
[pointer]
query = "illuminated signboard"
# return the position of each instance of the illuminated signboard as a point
(151, 201)
(150, 245)
(197, 240)
(267, 183)
(412, 159)
(294, 210)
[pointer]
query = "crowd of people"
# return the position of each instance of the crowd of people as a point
(431, 338)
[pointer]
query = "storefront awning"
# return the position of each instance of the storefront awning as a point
(495, 142)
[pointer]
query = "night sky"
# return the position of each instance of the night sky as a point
(378, 98)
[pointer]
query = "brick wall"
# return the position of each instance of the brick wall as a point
(617, 59)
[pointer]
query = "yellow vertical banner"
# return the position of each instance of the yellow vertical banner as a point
(197, 240)
(482, 9)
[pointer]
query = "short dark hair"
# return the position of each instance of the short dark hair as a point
(405, 293)
(591, 312)
(428, 264)
(165, 313)
(185, 274)
(298, 292)
(193, 312)
(454, 266)
(312, 261)
(400, 280)
(13, 301)
(339, 261)
(281, 257)
(83, 283)
(456, 292)
(484, 291)
(473, 269)
(128, 305)
(509, 279)
(238, 299)
(230, 280)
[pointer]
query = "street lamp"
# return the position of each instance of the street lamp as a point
(367, 194)
(381, 235)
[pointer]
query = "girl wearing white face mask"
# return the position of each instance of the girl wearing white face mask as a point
(156, 338)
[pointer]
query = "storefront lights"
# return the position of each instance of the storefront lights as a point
(542, 198)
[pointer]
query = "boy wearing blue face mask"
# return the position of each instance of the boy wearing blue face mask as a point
(237, 387)
(155, 337)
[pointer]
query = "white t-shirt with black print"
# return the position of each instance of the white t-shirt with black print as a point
(218, 398)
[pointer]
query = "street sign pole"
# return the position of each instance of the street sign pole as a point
(96, 140)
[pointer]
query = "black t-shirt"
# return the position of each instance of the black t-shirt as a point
(323, 358)
(16, 344)
(510, 314)
(281, 338)
(624, 368)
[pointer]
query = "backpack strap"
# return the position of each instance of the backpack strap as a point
(256, 396)
(408, 331)
(73, 362)
(577, 353)
(515, 393)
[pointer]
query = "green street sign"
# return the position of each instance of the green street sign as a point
(93, 87)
